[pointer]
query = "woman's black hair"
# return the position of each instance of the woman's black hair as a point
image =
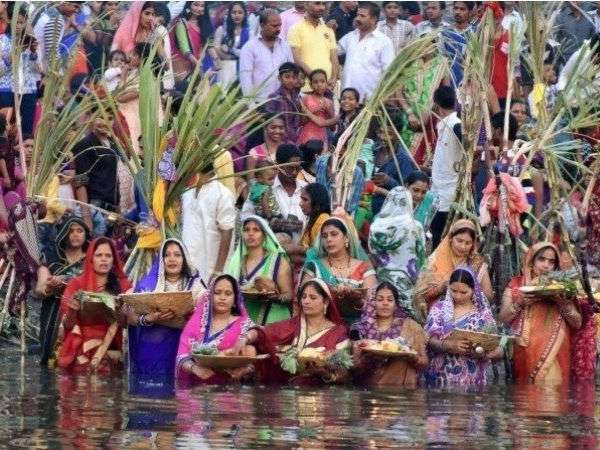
(229, 40)
(318, 288)
(235, 310)
(469, 231)
(204, 23)
(415, 176)
(161, 9)
(310, 150)
(392, 288)
(112, 282)
(336, 223)
(543, 249)
(319, 202)
(462, 276)
(186, 267)
(353, 90)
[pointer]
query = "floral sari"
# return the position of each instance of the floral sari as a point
(542, 354)
(260, 311)
(153, 349)
(397, 245)
(197, 330)
(290, 334)
(426, 210)
(446, 369)
(83, 340)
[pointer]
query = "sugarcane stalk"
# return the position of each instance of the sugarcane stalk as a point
(7, 298)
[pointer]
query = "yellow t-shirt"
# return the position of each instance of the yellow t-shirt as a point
(224, 168)
(315, 44)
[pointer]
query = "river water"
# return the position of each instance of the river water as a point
(40, 408)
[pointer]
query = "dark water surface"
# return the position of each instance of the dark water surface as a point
(45, 409)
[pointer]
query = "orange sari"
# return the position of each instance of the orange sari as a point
(542, 354)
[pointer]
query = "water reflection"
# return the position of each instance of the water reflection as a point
(41, 409)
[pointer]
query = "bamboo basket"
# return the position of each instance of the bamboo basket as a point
(94, 310)
(181, 303)
(488, 342)
(225, 362)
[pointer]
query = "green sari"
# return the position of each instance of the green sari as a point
(261, 312)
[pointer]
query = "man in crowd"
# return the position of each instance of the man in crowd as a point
(398, 30)
(368, 52)
(262, 55)
(434, 13)
(341, 18)
(313, 43)
(291, 17)
(572, 27)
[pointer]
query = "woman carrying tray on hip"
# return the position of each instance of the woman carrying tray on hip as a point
(260, 263)
(153, 347)
(454, 362)
(94, 344)
(317, 326)
(545, 325)
(217, 323)
(384, 319)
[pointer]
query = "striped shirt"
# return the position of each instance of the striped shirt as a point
(400, 33)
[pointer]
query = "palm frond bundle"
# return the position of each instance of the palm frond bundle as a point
(354, 136)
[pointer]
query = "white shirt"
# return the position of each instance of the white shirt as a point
(287, 204)
(366, 60)
(204, 214)
(448, 151)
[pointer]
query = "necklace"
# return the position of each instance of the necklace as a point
(340, 271)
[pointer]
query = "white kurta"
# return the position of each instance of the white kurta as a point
(204, 214)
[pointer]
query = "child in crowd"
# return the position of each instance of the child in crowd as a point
(550, 90)
(318, 109)
(113, 75)
(285, 101)
(349, 109)
(261, 192)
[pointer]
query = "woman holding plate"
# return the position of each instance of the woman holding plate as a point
(318, 327)
(152, 346)
(455, 361)
(545, 324)
(259, 263)
(217, 323)
(338, 259)
(383, 319)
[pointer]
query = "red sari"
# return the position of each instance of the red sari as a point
(281, 336)
(82, 341)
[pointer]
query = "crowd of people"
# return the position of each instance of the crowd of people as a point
(390, 264)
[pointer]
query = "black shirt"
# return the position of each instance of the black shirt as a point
(344, 20)
(98, 162)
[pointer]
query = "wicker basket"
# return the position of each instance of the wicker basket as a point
(224, 362)
(181, 303)
(252, 294)
(488, 342)
(94, 311)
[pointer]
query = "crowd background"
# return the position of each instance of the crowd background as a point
(380, 171)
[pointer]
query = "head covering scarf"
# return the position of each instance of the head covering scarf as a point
(155, 281)
(332, 313)
(124, 39)
(367, 326)
(441, 320)
(528, 274)
(396, 239)
(62, 237)
(271, 246)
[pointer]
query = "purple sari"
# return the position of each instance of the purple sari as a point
(454, 370)
(153, 349)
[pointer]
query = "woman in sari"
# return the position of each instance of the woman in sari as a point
(464, 306)
(94, 343)
(425, 202)
(458, 248)
(542, 355)
(338, 259)
(397, 245)
(153, 347)
(318, 325)
(218, 321)
(260, 263)
(71, 243)
(193, 31)
(384, 319)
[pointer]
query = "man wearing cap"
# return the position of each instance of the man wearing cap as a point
(261, 56)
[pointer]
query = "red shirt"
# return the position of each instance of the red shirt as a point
(499, 73)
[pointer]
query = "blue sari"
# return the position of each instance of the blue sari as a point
(153, 349)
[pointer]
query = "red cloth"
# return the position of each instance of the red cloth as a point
(516, 202)
(499, 74)
(73, 343)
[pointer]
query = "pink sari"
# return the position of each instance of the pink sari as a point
(198, 330)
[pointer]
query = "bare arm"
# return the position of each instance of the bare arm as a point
(81, 195)
(509, 310)
(226, 236)
(298, 61)
(284, 280)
